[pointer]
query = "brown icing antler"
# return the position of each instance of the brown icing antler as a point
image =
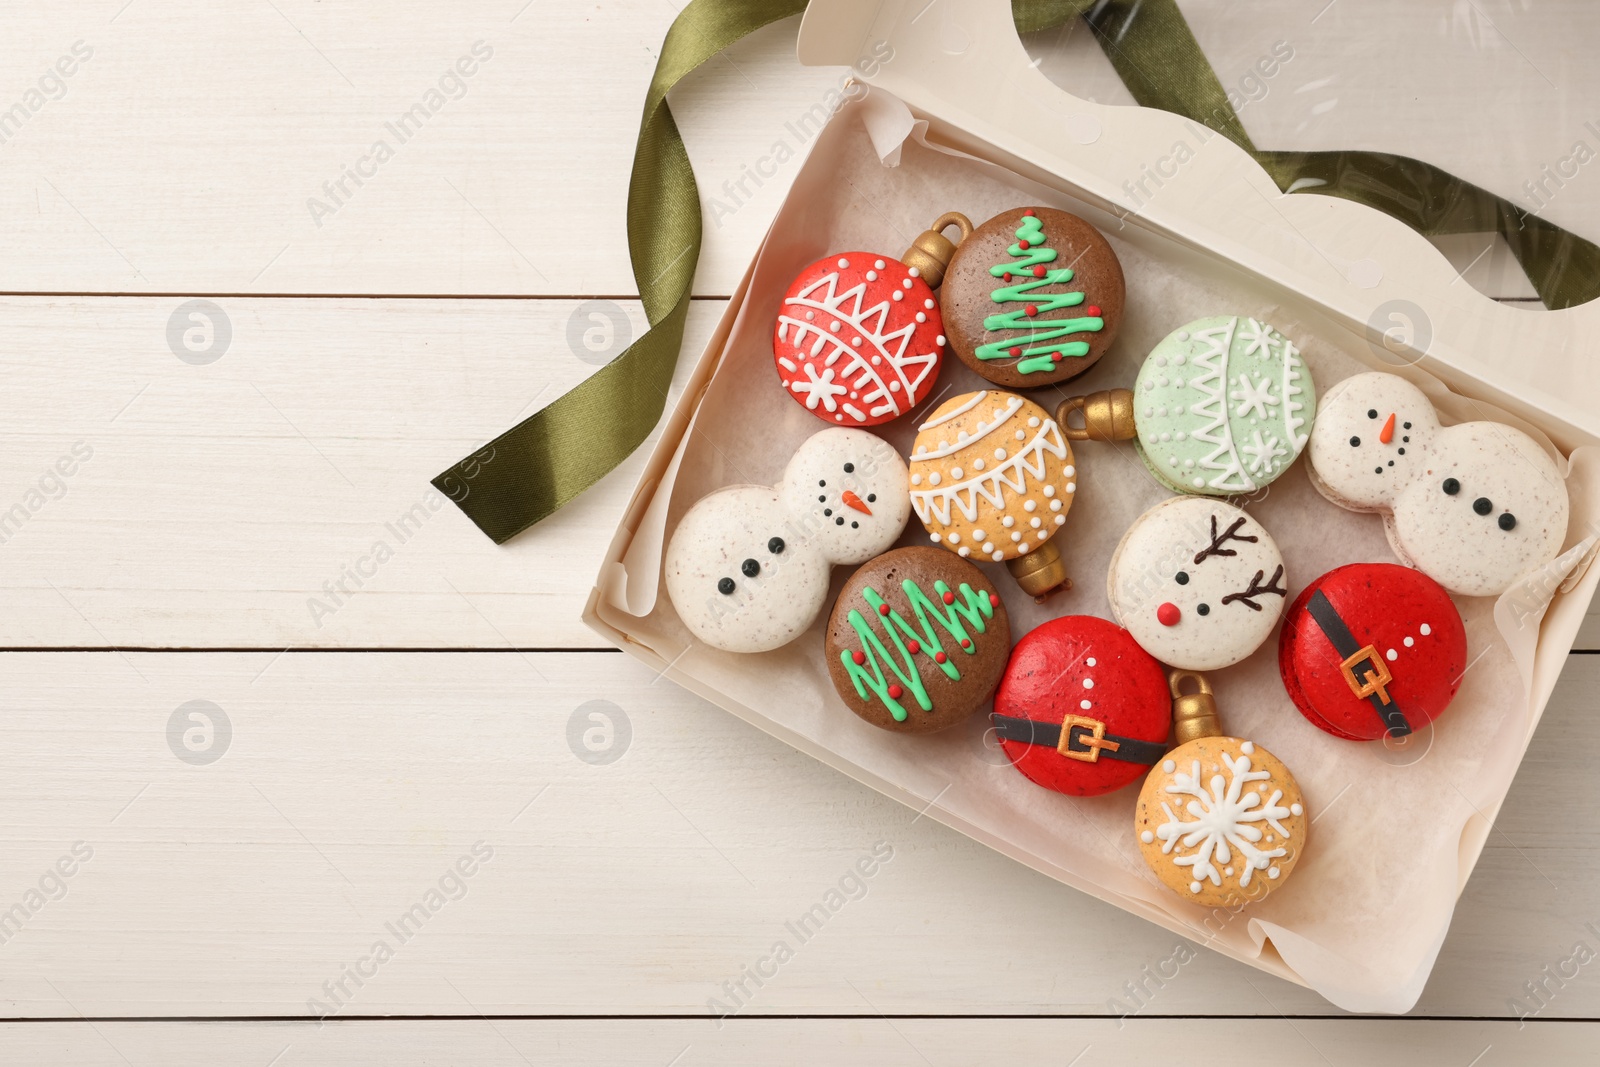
(1215, 548)
(1257, 589)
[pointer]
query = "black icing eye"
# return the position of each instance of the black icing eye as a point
(1202, 609)
(1405, 426)
(726, 587)
(1508, 521)
(821, 484)
(1378, 470)
(1483, 505)
(849, 468)
(750, 568)
(1451, 487)
(855, 526)
(872, 498)
(1182, 577)
(775, 546)
(1372, 413)
(1355, 442)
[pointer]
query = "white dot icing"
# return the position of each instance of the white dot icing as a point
(844, 264)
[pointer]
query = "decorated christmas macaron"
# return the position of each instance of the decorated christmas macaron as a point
(1221, 407)
(992, 479)
(917, 640)
(1371, 649)
(1198, 582)
(1220, 820)
(859, 336)
(1033, 297)
(1474, 506)
(1082, 709)
(747, 567)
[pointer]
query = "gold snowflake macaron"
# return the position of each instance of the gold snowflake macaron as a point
(1221, 820)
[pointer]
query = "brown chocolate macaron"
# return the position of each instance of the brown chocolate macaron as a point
(1034, 297)
(918, 640)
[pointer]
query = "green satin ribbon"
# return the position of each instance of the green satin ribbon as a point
(538, 465)
(547, 459)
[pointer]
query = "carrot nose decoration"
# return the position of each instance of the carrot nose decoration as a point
(853, 501)
(1387, 433)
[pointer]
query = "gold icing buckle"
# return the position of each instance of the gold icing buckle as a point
(1373, 682)
(1093, 742)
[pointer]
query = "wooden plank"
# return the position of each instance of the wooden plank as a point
(351, 785)
(234, 503)
(282, 101)
(512, 179)
(217, 500)
(868, 1042)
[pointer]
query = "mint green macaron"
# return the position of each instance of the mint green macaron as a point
(1223, 406)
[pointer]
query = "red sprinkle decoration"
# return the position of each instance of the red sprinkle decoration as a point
(1038, 272)
(994, 600)
(883, 609)
(1055, 357)
(949, 597)
(1093, 310)
(895, 691)
(859, 657)
(966, 642)
(913, 647)
(1033, 309)
(1028, 213)
(1022, 245)
(1015, 352)
(939, 657)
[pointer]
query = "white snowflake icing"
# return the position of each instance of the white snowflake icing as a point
(1224, 821)
(1257, 397)
(1261, 450)
(1258, 338)
(818, 390)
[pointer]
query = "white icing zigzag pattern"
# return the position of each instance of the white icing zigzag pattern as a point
(1212, 384)
(890, 387)
(1233, 470)
(991, 484)
(1224, 820)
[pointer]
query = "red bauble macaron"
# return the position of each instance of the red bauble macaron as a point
(1380, 619)
(1084, 667)
(858, 339)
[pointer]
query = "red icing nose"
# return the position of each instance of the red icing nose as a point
(1168, 614)
(853, 501)
(1387, 433)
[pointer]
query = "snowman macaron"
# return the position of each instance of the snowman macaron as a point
(1474, 506)
(747, 568)
(1197, 582)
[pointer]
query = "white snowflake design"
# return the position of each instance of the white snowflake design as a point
(1258, 338)
(818, 390)
(1261, 452)
(1224, 820)
(1257, 397)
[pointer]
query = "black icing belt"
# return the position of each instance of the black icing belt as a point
(1344, 642)
(1081, 742)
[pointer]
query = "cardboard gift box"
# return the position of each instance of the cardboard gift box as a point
(978, 129)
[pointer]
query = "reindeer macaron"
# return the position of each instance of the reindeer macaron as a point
(1198, 583)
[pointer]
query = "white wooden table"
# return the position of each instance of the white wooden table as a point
(191, 495)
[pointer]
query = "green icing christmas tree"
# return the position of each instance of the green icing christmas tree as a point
(1043, 348)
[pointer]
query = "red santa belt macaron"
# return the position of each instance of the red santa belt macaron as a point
(1372, 649)
(1082, 709)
